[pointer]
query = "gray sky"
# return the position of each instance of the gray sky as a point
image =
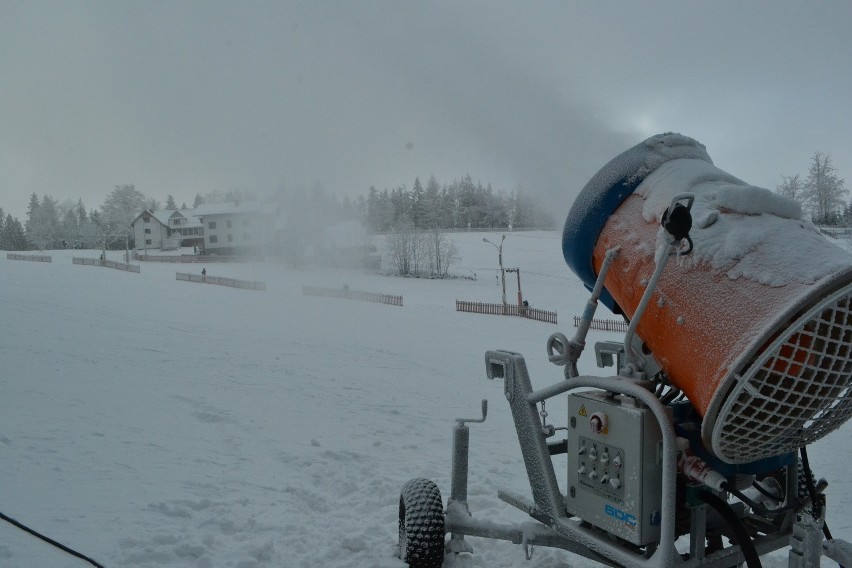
(186, 97)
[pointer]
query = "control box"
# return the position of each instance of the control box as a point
(615, 465)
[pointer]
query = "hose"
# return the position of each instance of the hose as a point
(50, 541)
(817, 500)
(743, 539)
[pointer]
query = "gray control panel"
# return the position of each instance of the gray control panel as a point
(615, 465)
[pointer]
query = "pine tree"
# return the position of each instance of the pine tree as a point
(12, 237)
(432, 203)
(43, 224)
(31, 211)
(418, 205)
(82, 219)
(170, 203)
(374, 215)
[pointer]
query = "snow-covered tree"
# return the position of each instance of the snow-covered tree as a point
(69, 224)
(791, 187)
(418, 205)
(43, 225)
(824, 190)
(12, 237)
(170, 202)
(121, 206)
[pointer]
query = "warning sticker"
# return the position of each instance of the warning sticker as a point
(583, 411)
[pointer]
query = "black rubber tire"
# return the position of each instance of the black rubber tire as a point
(421, 524)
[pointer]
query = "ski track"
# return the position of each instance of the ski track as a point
(149, 422)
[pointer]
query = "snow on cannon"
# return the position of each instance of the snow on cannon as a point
(738, 354)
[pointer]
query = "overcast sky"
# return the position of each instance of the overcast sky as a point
(186, 97)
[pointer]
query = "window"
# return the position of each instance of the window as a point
(230, 237)
(211, 225)
(147, 241)
(147, 231)
(229, 223)
(146, 220)
(214, 239)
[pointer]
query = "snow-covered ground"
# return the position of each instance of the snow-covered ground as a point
(149, 422)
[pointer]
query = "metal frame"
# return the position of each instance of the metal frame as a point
(558, 529)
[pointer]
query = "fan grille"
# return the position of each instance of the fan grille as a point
(797, 391)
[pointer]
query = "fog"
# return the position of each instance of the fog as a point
(188, 97)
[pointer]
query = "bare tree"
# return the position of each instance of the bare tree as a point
(440, 252)
(791, 187)
(824, 190)
(400, 246)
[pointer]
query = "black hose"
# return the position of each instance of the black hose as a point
(816, 499)
(757, 485)
(49, 540)
(743, 539)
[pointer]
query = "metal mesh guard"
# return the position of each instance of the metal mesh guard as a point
(796, 392)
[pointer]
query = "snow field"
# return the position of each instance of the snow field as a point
(149, 422)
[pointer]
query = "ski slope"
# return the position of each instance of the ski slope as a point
(149, 422)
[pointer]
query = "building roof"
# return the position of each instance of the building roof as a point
(229, 208)
(163, 216)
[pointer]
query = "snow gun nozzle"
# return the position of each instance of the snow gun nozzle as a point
(677, 221)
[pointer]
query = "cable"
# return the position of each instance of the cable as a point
(49, 540)
(743, 539)
(759, 486)
(816, 500)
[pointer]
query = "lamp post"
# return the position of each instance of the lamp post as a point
(500, 260)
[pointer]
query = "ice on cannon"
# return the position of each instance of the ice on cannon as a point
(754, 326)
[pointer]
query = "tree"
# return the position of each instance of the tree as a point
(418, 205)
(432, 203)
(198, 201)
(82, 218)
(31, 212)
(12, 237)
(441, 252)
(824, 190)
(170, 202)
(121, 206)
(399, 246)
(69, 225)
(790, 187)
(43, 225)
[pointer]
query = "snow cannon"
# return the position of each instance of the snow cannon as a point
(754, 326)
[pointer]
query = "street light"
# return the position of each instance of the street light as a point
(500, 260)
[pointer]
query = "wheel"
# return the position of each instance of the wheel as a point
(421, 524)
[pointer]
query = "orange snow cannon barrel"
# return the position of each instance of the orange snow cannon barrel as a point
(754, 326)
